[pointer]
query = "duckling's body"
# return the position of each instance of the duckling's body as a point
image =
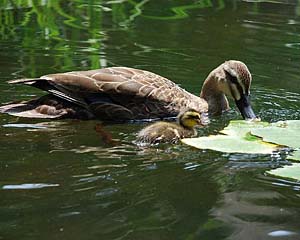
(170, 132)
(121, 93)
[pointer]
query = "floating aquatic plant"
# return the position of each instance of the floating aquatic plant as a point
(235, 138)
(288, 171)
(257, 138)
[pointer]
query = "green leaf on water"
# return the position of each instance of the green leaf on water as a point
(290, 172)
(295, 156)
(231, 144)
(241, 128)
(236, 138)
(256, 137)
(284, 133)
(252, 137)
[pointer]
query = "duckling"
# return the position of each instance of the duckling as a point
(122, 94)
(170, 132)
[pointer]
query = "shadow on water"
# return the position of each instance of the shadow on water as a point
(61, 180)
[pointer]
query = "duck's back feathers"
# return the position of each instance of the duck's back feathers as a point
(116, 93)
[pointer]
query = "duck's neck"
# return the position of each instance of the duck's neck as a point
(216, 100)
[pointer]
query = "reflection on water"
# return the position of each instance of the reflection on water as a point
(62, 180)
(261, 210)
(29, 186)
(274, 105)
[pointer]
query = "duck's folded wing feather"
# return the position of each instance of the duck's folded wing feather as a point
(114, 80)
(130, 92)
(55, 87)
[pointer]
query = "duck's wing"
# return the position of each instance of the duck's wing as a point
(115, 91)
(113, 80)
(140, 94)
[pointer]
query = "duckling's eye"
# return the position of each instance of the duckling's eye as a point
(195, 117)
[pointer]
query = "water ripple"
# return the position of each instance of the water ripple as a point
(106, 192)
(28, 186)
(293, 45)
(282, 233)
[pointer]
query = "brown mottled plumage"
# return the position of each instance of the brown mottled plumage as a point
(121, 93)
(170, 132)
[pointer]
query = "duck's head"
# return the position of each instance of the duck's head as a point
(233, 79)
(189, 118)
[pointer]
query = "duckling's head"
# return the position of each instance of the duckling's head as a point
(233, 79)
(189, 118)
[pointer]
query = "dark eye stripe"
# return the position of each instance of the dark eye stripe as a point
(234, 81)
(194, 117)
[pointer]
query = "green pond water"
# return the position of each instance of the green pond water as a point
(59, 180)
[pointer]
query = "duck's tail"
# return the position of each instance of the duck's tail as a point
(47, 106)
(31, 109)
(27, 81)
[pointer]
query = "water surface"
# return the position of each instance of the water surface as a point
(60, 180)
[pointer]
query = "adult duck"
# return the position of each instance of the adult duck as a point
(121, 93)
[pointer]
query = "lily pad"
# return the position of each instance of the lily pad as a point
(290, 172)
(241, 127)
(231, 144)
(295, 156)
(256, 138)
(284, 133)
(253, 137)
(237, 139)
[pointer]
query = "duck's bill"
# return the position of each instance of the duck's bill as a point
(245, 108)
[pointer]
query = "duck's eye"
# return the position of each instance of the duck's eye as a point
(236, 83)
(231, 78)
